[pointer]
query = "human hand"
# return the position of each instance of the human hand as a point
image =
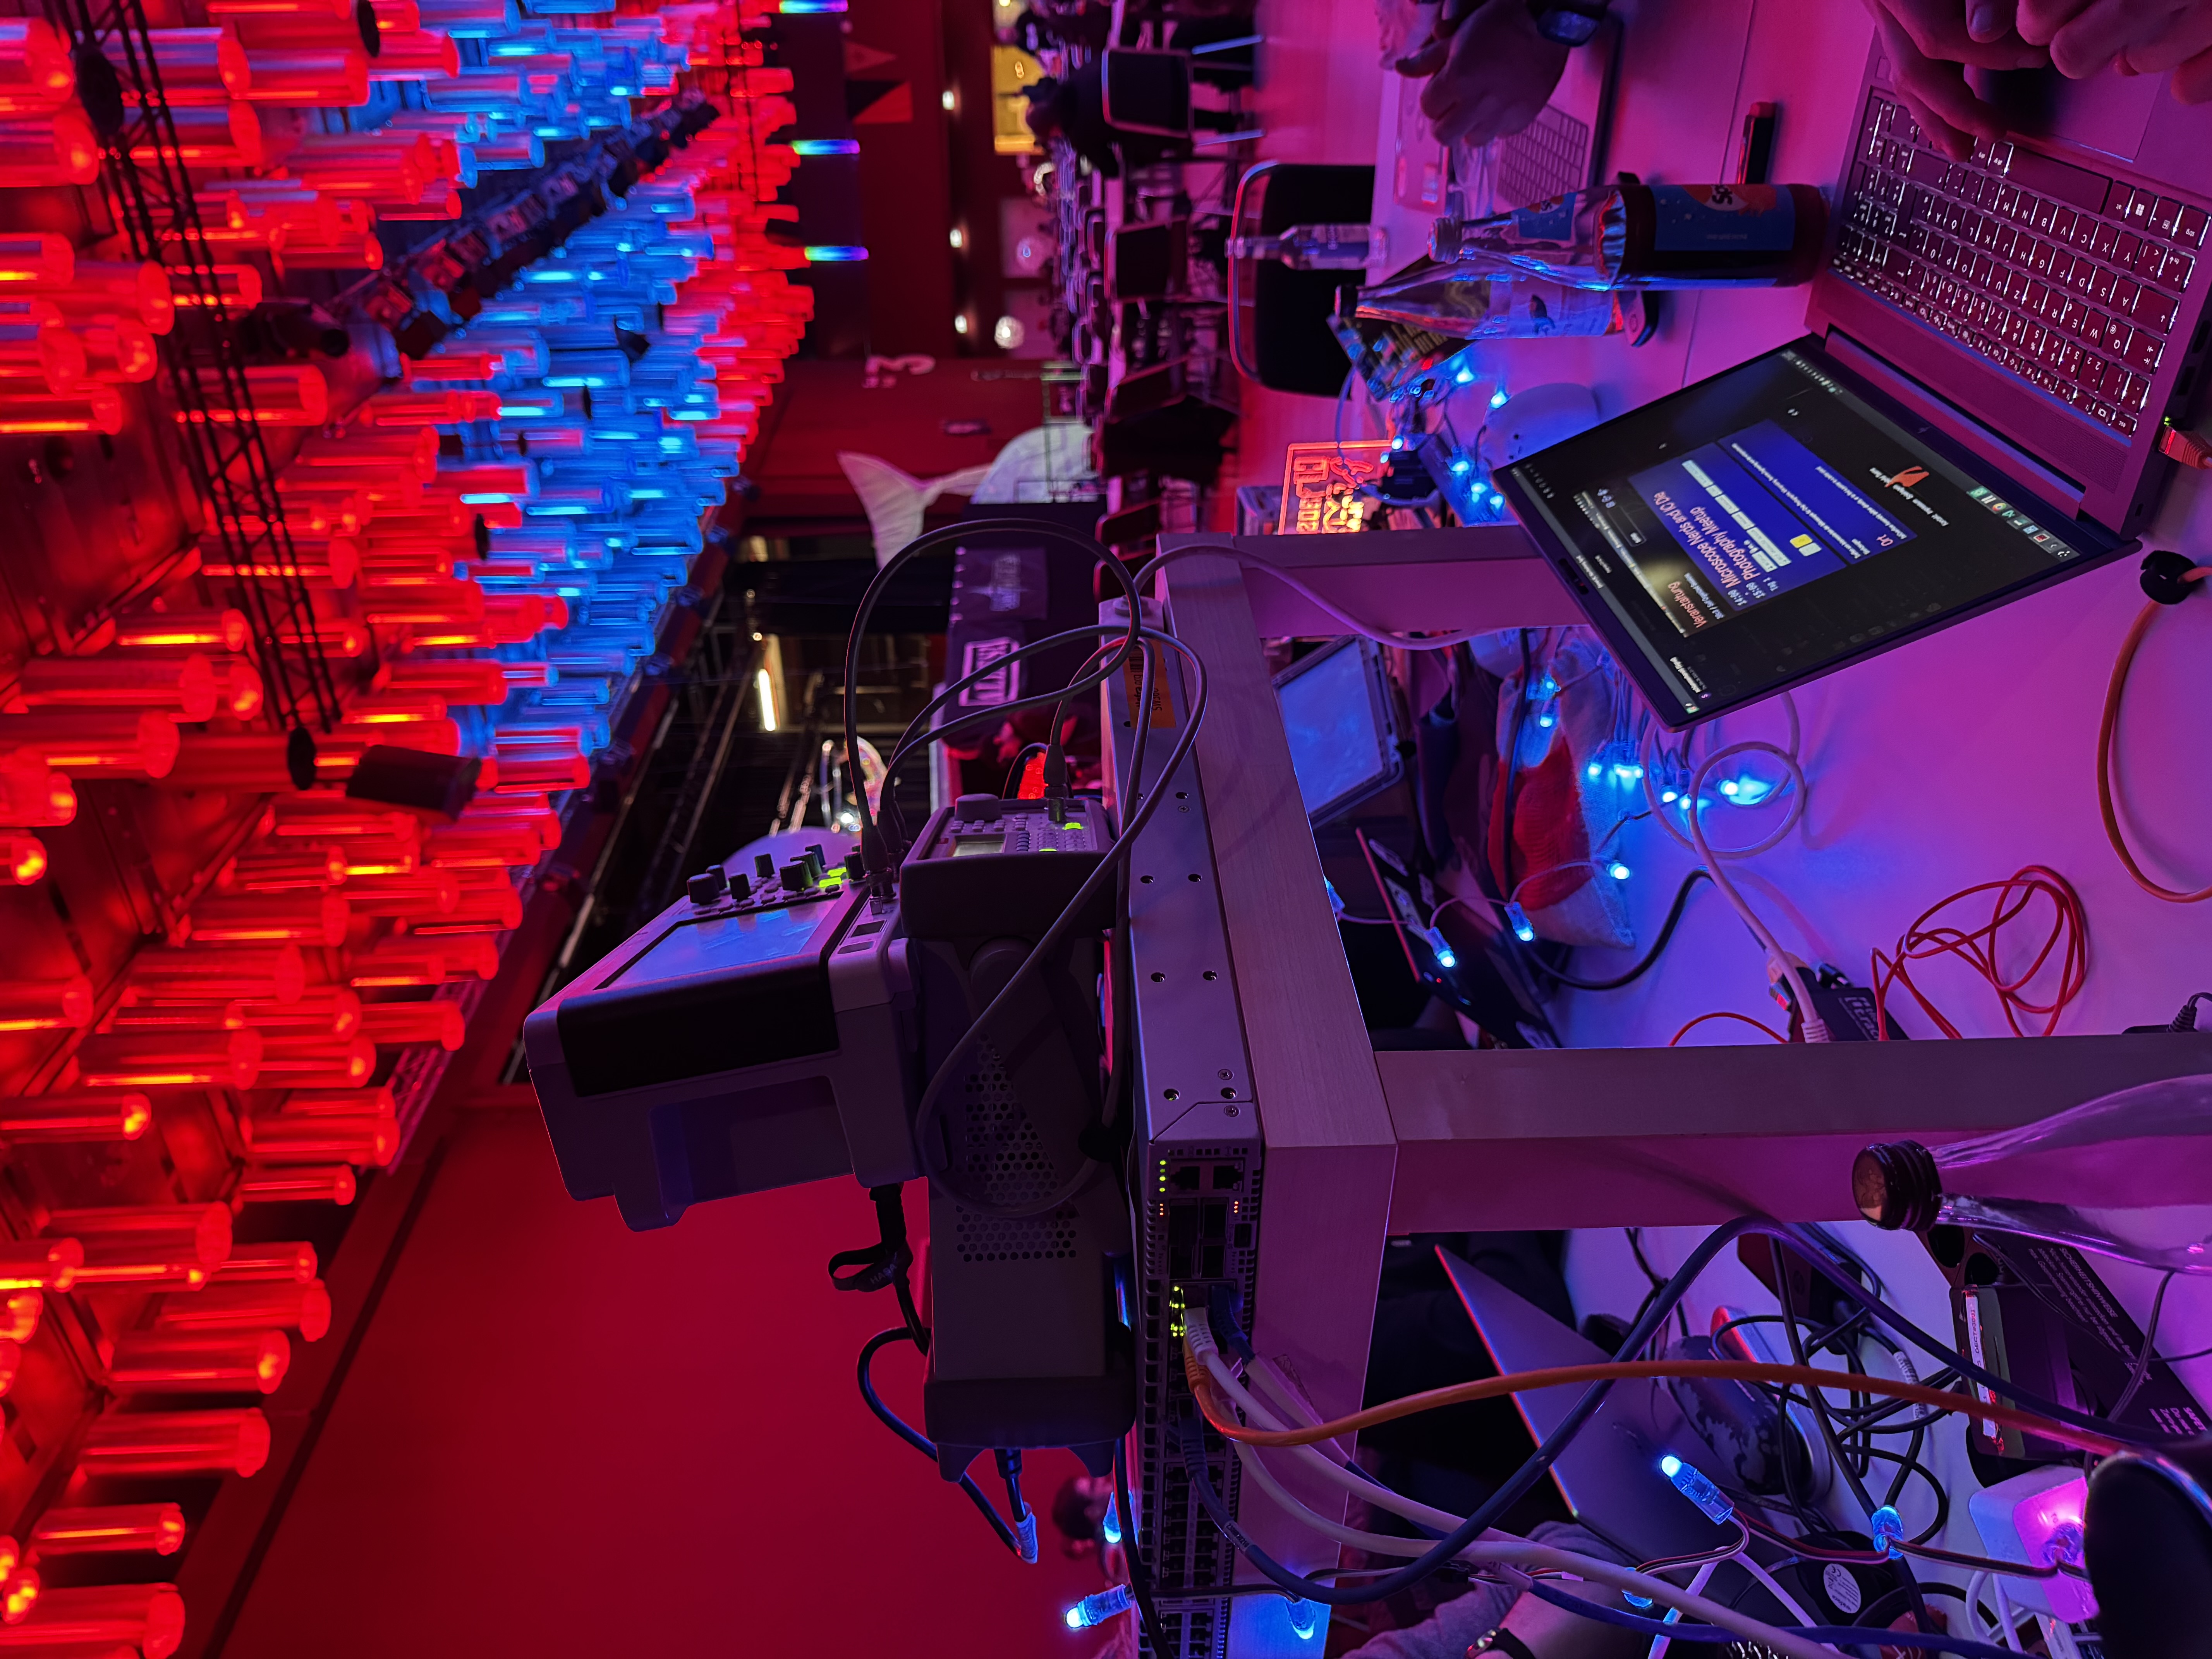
(2134, 37)
(1496, 72)
(1931, 42)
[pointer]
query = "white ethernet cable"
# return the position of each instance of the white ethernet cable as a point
(1494, 1547)
(1279, 1388)
(1352, 623)
(1698, 1580)
(1815, 1029)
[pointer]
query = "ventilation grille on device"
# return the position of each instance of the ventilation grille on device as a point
(1000, 1158)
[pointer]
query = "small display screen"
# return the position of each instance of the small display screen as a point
(969, 846)
(1756, 528)
(1328, 715)
(722, 943)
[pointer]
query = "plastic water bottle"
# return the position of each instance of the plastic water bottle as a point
(2129, 1176)
(1652, 236)
(1318, 247)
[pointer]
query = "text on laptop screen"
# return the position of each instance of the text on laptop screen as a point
(1750, 530)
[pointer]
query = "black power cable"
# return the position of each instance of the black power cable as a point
(1133, 1551)
(885, 1264)
(1191, 1430)
(1819, 1407)
(1644, 964)
(906, 1431)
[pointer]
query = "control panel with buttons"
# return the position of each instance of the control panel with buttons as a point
(755, 1034)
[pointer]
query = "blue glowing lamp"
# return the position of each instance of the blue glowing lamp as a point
(1693, 1485)
(834, 253)
(1097, 1609)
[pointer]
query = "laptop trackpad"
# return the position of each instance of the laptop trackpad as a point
(2108, 112)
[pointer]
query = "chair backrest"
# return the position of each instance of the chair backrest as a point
(1145, 391)
(1147, 92)
(1180, 439)
(1293, 348)
(1148, 261)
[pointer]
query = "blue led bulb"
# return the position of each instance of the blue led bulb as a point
(1523, 929)
(1110, 1528)
(1097, 1609)
(1694, 1485)
(1445, 959)
(1304, 1616)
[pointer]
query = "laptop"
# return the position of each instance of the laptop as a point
(1997, 345)
(1609, 1473)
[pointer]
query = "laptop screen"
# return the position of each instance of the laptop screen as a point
(1776, 521)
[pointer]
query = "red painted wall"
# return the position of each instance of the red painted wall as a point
(562, 1438)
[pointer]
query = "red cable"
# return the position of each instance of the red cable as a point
(2108, 763)
(1724, 1014)
(1978, 947)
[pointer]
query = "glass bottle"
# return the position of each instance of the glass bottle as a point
(1477, 299)
(2129, 1176)
(1634, 236)
(1318, 247)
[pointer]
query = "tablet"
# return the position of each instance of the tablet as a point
(1777, 522)
(1341, 721)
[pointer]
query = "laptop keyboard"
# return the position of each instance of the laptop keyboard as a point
(2070, 280)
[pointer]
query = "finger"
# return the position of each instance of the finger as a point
(1426, 60)
(1440, 103)
(1989, 20)
(2039, 20)
(1942, 102)
(1487, 120)
(2192, 81)
(1938, 29)
(2189, 35)
(2105, 29)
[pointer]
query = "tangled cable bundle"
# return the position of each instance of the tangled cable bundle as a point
(2066, 944)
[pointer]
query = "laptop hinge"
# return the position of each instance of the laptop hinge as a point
(1939, 412)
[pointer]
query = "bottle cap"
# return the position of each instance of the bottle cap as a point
(1897, 1187)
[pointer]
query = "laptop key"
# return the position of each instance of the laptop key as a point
(2154, 311)
(1957, 244)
